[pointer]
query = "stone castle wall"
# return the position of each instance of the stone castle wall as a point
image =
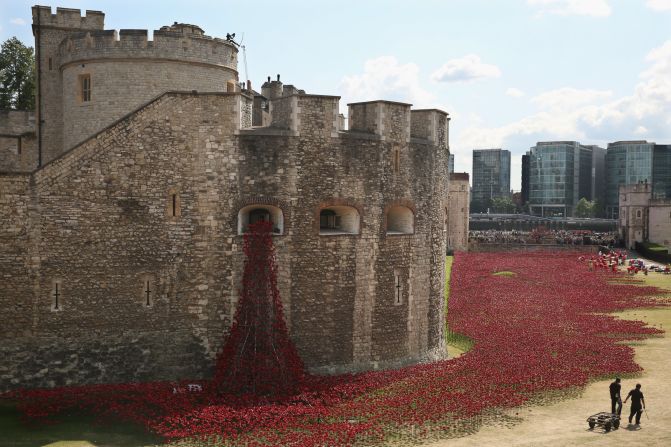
(18, 143)
(98, 223)
(122, 255)
(458, 203)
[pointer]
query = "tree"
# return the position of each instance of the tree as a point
(503, 205)
(585, 208)
(17, 76)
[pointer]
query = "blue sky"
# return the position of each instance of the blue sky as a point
(509, 72)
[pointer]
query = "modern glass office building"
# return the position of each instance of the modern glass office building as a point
(560, 174)
(661, 171)
(491, 177)
(629, 162)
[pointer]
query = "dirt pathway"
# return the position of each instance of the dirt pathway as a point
(564, 423)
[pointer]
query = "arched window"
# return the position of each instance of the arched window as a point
(260, 213)
(638, 214)
(336, 220)
(400, 220)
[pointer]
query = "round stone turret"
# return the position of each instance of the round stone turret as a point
(106, 74)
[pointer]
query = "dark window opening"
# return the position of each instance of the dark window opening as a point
(18, 146)
(328, 219)
(259, 215)
(50, 64)
(174, 205)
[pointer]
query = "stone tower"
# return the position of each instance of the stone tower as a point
(89, 77)
(49, 31)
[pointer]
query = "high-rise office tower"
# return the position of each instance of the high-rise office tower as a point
(560, 174)
(491, 177)
(631, 162)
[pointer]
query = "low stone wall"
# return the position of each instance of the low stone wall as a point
(486, 248)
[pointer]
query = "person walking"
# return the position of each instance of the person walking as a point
(615, 397)
(636, 401)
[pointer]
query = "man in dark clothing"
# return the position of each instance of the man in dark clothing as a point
(636, 401)
(615, 397)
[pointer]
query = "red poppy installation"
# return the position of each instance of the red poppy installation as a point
(258, 356)
(542, 327)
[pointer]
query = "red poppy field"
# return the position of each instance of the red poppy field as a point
(540, 328)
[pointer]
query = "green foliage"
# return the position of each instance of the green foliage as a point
(17, 76)
(655, 247)
(585, 208)
(73, 430)
(504, 273)
(503, 205)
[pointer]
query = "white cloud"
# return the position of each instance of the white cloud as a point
(567, 98)
(17, 21)
(385, 78)
(515, 92)
(589, 116)
(467, 68)
(595, 8)
(659, 5)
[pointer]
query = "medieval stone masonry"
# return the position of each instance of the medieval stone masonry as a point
(121, 230)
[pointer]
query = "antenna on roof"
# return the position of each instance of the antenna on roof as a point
(244, 56)
(231, 38)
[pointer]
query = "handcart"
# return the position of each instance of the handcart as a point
(606, 420)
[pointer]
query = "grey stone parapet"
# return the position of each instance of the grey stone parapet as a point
(395, 121)
(134, 43)
(67, 18)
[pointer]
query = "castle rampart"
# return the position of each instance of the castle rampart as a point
(18, 143)
(67, 18)
(130, 44)
(122, 256)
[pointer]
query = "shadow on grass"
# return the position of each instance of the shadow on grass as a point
(71, 431)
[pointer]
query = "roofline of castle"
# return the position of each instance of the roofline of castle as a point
(380, 100)
(431, 110)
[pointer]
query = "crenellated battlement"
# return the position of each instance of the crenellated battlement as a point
(184, 43)
(67, 18)
(430, 124)
(390, 120)
(387, 120)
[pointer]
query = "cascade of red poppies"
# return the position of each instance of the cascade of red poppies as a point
(258, 356)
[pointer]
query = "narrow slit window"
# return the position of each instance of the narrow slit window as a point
(19, 144)
(147, 291)
(397, 161)
(173, 204)
(57, 295)
(50, 64)
(398, 288)
(85, 86)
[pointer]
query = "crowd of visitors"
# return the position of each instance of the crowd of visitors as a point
(543, 236)
(611, 259)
